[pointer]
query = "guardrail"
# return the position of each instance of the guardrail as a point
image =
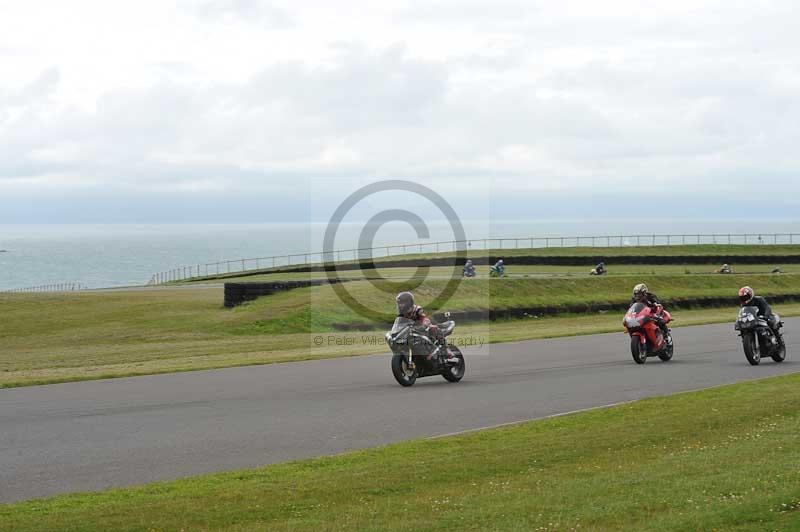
(298, 259)
(57, 287)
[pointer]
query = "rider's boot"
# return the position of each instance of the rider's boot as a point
(447, 357)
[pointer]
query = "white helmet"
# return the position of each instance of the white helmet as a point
(640, 290)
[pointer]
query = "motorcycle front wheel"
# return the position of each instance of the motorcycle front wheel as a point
(751, 350)
(638, 350)
(780, 354)
(404, 375)
(666, 356)
(455, 372)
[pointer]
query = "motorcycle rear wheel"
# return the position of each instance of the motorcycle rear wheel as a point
(402, 373)
(751, 349)
(638, 350)
(455, 372)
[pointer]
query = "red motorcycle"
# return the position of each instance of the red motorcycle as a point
(647, 338)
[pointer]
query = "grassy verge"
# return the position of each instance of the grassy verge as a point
(62, 337)
(184, 337)
(720, 459)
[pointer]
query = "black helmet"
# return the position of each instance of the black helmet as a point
(405, 302)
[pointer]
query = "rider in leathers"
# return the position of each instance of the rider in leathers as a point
(641, 294)
(748, 298)
(407, 309)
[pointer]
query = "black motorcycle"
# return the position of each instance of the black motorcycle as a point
(416, 354)
(758, 338)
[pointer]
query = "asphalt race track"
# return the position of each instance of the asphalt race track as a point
(93, 435)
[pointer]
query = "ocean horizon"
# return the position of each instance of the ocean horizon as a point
(99, 256)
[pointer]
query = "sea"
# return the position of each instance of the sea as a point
(100, 256)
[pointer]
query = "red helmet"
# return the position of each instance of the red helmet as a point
(746, 295)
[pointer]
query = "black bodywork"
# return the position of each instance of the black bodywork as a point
(416, 353)
(760, 335)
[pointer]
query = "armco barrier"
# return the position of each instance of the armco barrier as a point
(526, 312)
(238, 293)
(467, 316)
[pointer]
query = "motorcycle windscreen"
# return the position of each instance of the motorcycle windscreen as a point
(401, 323)
(636, 308)
(748, 311)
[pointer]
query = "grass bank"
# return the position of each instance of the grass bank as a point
(51, 338)
(48, 338)
(715, 254)
(514, 271)
(720, 459)
(319, 309)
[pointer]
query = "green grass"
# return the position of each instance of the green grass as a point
(323, 309)
(49, 338)
(720, 459)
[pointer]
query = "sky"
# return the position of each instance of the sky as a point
(242, 110)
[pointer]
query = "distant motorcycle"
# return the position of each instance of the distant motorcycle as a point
(647, 339)
(416, 354)
(600, 269)
(497, 272)
(757, 337)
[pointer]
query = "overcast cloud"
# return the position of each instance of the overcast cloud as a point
(155, 107)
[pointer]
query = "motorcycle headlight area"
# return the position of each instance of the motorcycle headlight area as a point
(632, 322)
(400, 337)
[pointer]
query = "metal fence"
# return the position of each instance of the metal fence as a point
(299, 259)
(57, 287)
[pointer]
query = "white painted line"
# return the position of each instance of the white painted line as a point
(610, 405)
